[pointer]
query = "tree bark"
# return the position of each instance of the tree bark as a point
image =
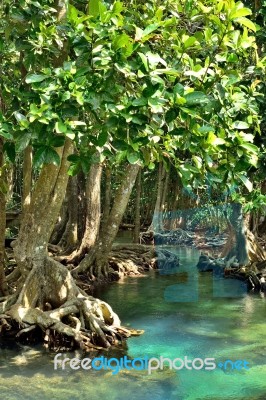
(61, 223)
(82, 206)
(93, 213)
(69, 238)
(230, 240)
(48, 297)
(97, 260)
(150, 200)
(262, 223)
(164, 197)
(157, 221)
(177, 191)
(27, 179)
(243, 244)
(136, 232)
(3, 284)
(10, 181)
(38, 222)
(107, 195)
(254, 249)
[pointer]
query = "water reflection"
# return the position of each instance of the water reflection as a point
(209, 327)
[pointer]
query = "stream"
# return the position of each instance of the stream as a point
(183, 314)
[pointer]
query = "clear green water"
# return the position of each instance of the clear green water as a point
(222, 328)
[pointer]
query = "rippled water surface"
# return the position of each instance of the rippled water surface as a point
(182, 316)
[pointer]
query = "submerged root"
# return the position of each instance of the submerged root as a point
(52, 302)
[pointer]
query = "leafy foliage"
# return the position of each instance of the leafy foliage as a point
(178, 82)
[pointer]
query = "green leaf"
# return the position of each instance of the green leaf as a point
(143, 140)
(149, 29)
(198, 161)
(66, 96)
(57, 141)
(34, 109)
(35, 78)
(137, 119)
(102, 138)
(144, 61)
(72, 13)
(120, 145)
(232, 58)
(171, 115)
(86, 164)
(94, 8)
(102, 11)
(60, 127)
(117, 7)
(39, 156)
(246, 182)
(142, 101)
(166, 71)
(241, 12)
(240, 125)
(179, 100)
(80, 98)
(191, 168)
(139, 33)
(22, 142)
(6, 135)
(4, 131)
(155, 59)
(206, 129)
(178, 132)
(9, 149)
(132, 157)
(52, 156)
(47, 155)
(156, 105)
(246, 22)
(73, 158)
(135, 146)
(121, 41)
(189, 42)
(150, 90)
(179, 89)
(214, 140)
(20, 117)
(155, 139)
(195, 98)
(251, 147)
(74, 169)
